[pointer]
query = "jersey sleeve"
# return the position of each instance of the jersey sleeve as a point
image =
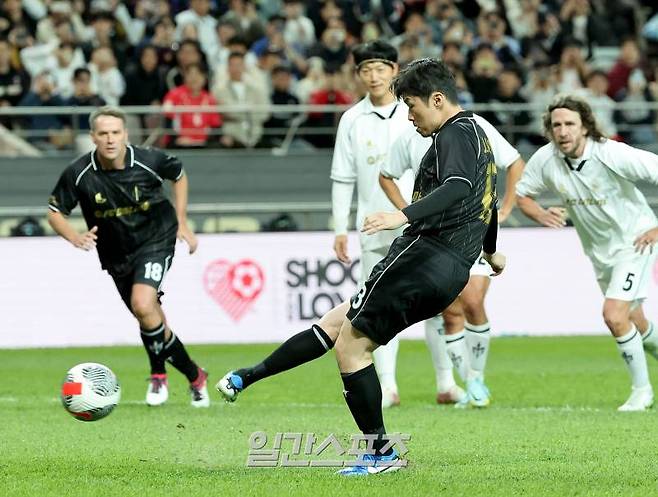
(168, 166)
(398, 159)
(532, 183)
(64, 196)
(631, 163)
(503, 151)
(456, 155)
(343, 163)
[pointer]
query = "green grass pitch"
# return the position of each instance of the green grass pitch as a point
(552, 428)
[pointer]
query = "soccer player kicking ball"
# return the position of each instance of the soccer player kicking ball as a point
(452, 218)
(134, 227)
(595, 178)
(461, 342)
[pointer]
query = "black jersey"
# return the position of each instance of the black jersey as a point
(128, 205)
(460, 152)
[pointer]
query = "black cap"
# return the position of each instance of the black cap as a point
(375, 51)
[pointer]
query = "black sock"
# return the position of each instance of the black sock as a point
(301, 348)
(363, 395)
(154, 343)
(177, 355)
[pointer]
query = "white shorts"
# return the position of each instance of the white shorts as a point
(628, 279)
(481, 268)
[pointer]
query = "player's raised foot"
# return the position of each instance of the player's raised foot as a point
(199, 390)
(229, 386)
(157, 392)
(641, 399)
(477, 395)
(390, 398)
(370, 464)
(453, 395)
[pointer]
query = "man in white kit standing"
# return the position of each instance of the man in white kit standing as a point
(595, 179)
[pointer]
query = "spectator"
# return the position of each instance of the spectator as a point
(83, 96)
(192, 129)
(491, 31)
(253, 72)
(198, 15)
(189, 52)
(241, 128)
(484, 72)
(441, 14)
(581, 23)
(278, 123)
(59, 59)
(14, 82)
(512, 124)
(329, 94)
(415, 26)
(298, 31)
(572, 69)
(105, 35)
(540, 90)
(630, 58)
(313, 81)
(603, 107)
(60, 12)
(639, 121)
(163, 39)
(46, 130)
(544, 46)
(106, 79)
(20, 27)
(244, 14)
(332, 48)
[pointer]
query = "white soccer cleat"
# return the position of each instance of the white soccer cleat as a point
(390, 398)
(453, 395)
(229, 386)
(157, 392)
(641, 399)
(199, 390)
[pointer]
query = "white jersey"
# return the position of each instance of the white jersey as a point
(410, 147)
(363, 142)
(606, 208)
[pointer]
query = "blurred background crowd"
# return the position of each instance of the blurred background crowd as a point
(235, 58)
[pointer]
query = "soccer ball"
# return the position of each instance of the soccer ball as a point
(90, 391)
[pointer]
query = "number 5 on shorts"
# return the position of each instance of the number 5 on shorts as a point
(628, 284)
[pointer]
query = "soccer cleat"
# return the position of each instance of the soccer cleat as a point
(477, 395)
(390, 398)
(229, 386)
(373, 464)
(199, 390)
(157, 392)
(641, 399)
(452, 396)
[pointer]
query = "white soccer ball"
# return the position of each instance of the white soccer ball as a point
(90, 391)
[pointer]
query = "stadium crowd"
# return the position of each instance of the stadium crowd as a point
(204, 52)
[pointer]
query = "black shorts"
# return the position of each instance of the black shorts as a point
(149, 268)
(416, 280)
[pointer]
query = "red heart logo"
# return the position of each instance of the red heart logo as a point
(234, 287)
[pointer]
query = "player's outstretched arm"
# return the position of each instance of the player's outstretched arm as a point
(392, 191)
(61, 226)
(180, 203)
(553, 217)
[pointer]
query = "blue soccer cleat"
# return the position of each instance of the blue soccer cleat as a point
(374, 464)
(229, 386)
(477, 395)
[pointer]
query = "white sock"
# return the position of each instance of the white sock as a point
(630, 347)
(436, 343)
(477, 341)
(385, 358)
(650, 340)
(456, 346)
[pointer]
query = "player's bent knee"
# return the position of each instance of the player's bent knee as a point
(143, 306)
(332, 321)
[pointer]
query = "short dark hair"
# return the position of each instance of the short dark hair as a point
(80, 71)
(376, 50)
(578, 105)
(423, 77)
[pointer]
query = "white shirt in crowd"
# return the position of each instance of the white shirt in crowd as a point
(363, 142)
(598, 191)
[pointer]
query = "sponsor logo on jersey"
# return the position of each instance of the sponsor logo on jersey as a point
(122, 211)
(99, 198)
